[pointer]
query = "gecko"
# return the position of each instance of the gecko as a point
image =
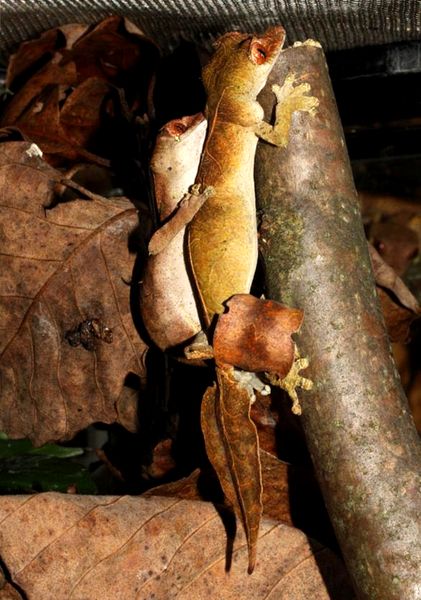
(167, 303)
(220, 243)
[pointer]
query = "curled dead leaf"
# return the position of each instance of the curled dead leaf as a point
(398, 318)
(399, 306)
(387, 277)
(396, 243)
(255, 335)
(61, 105)
(275, 497)
(162, 460)
(34, 180)
(40, 50)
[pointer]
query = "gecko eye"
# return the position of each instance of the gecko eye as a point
(258, 53)
(175, 127)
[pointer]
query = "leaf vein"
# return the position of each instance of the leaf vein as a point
(121, 548)
(37, 258)
(283, 576)
(58, 365)
(118, 306)
(65, 531)
(186, 539)
(44, 219)
(67, 260)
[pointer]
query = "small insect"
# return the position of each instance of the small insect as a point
(87, 334)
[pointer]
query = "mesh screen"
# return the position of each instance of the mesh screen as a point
(336, 24)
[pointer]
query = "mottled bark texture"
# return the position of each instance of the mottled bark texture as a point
(361, 437)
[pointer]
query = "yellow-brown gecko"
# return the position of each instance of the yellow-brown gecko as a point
(222, 237)
(222, 247)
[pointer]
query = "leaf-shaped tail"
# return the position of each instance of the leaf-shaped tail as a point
(232, 446)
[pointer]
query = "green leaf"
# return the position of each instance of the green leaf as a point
(9, 448)
(38, 473)
(24, 468)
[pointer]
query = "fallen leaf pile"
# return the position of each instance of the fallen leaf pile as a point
(67, 86)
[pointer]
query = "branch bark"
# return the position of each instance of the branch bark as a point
(361, 437)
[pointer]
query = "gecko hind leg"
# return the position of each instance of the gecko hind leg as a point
(292, 381)
(199, 348)
(251, 382)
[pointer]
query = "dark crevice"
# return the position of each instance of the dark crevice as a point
(8, 578)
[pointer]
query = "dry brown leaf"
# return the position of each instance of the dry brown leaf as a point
(47, 79)
(266, 421)
(65, 129)
(386, 277)
(60, 269)
(275, 497)
(61, 106)
(162, 460)
(399, 305)
(34, 180)
(67, 547)
(396, 243)
(80, 115)
(38, 51)
(186, 488)
(116, 51)
(232, 446)
(398, 318)
(255, 335)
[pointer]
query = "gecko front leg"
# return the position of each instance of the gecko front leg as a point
(290, 98)
(189, 205)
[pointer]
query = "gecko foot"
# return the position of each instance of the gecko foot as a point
(290, 97)
(293, 381)
(295, 96)
(251, 382)
(196, 190)
(199, 348)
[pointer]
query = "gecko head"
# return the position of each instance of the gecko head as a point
(243, 61)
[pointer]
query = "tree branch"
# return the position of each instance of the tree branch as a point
(360, 434)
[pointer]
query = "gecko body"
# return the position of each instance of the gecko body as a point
(222, 237)
(167, 303)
